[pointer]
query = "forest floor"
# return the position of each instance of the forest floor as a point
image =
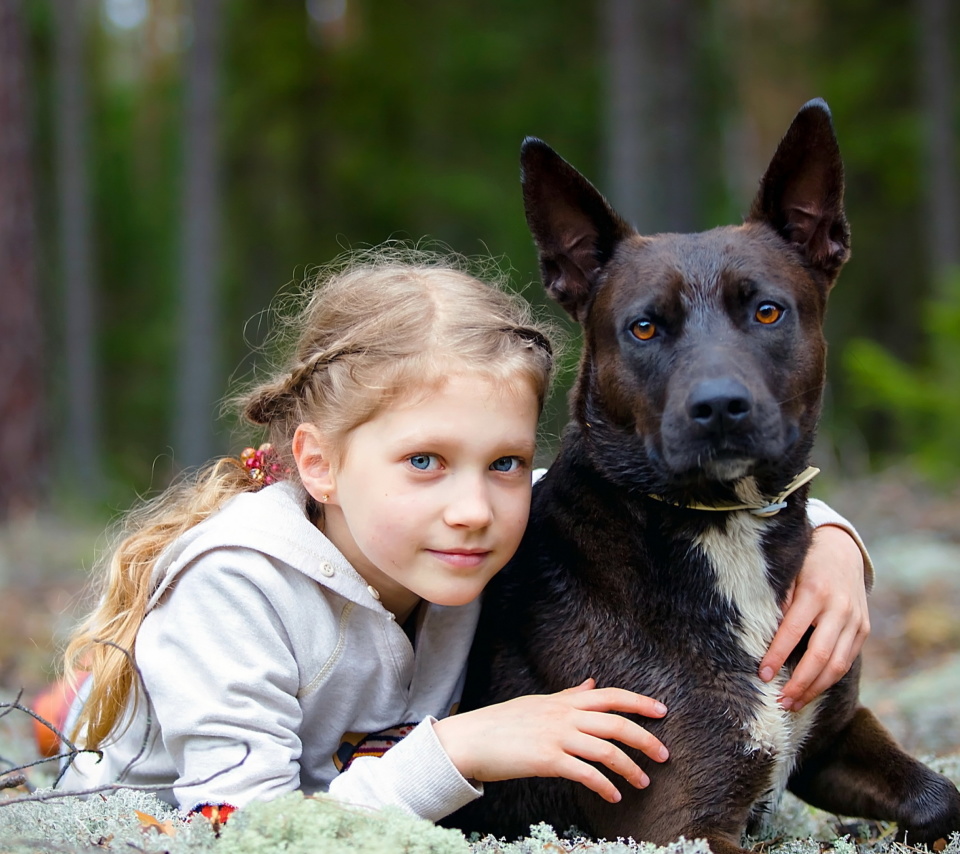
(911, 661)
(911, 675)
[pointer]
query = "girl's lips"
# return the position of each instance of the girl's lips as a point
(461, 558)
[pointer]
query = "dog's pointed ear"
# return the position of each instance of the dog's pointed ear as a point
(801, 194)
(574, 227)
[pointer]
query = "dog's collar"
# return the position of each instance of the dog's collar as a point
(761, 508)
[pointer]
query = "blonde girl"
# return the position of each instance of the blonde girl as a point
(301, 618)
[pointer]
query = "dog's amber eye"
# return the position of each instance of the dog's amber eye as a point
(644, 330)
(769, 313)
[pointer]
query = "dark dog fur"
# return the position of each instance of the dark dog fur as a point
(700, 382)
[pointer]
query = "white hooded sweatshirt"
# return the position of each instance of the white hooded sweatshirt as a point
(273, 641)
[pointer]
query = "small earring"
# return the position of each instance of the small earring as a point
(324, 498)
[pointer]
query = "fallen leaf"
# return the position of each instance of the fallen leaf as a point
(147, 821)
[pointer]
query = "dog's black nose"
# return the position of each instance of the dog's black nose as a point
(719, 404)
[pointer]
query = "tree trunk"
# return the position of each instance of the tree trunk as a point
(199, 374)
(943, 191)
(651, 115)
(679, 173)
(82, 441)
(629, 149)
(22, 422)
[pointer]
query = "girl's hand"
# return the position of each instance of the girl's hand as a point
(555, 735)
(829, 593)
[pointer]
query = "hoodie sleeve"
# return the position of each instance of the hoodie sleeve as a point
(415, 775)
(820, 513)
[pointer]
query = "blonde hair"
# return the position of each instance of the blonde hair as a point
(376, 327)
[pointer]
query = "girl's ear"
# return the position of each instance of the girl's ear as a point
(311, 454)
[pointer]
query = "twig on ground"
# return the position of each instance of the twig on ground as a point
(6, 711)
(14, 781)
(52, 795)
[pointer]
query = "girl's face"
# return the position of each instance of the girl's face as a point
(431, 497)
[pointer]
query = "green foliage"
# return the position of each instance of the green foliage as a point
(296, 824)
(404, 120)
(921, 401)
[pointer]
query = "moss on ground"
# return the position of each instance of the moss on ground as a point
(294, 824)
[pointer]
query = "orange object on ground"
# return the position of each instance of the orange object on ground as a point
(216, 813)
(52, 705)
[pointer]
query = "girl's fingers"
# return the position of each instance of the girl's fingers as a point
(620, 700)
(607, 727)
(796, 620)
(829, 591)
(580, 772)
(844, 653)
(606, 753)
(587, 685)
(838, 635)
(823, 663)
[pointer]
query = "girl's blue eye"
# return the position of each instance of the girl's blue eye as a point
(505, 464)
(421, 461)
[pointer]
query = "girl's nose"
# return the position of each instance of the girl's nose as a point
(469, 505)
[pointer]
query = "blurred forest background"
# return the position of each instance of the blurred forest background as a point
(167, 166)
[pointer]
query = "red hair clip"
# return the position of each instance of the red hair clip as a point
(263, 465)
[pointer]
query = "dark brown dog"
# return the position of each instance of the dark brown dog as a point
(700, 385)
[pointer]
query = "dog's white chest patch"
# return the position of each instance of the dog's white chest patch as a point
(737, 559)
